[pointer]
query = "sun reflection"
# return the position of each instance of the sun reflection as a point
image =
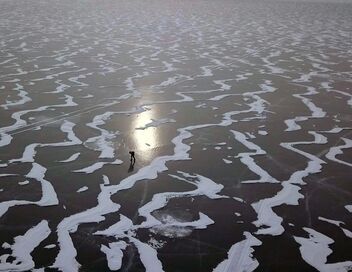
(145, 138)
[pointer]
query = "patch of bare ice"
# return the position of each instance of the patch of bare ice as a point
(315, 250)
(82, 189)
(114, 254)
(96, 166)
(23, 247)
(240, 257)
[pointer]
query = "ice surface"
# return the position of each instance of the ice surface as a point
(315, 250)
(156, 123)
(5, 139)
(262, 132)
(23, 247)
(246, 158)
(227, 161)
(349, 208)
(289, 194)
(50, 246)
(30, 150)
(233, 107)
(48, 198)
(82, 189)
(337, 150)
(22, 94)
(240, 257)
(148, 256)
(114, 254)
(337, 223)
(316, 111)
(72, 158)
(96, 166)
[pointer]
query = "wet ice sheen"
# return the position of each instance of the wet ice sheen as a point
(261, 89)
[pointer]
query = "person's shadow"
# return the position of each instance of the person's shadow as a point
(131, 168)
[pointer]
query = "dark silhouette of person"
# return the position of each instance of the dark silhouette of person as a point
(133, 158)
(133, 161)
(131, 168)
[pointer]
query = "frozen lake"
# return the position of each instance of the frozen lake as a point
(239, 113)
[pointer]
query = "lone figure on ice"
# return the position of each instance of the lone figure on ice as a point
(133, 158)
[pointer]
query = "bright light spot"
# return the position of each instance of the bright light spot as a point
(144, 139)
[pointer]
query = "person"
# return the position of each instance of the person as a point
(133, 158)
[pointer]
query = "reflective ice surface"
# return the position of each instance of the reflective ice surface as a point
(239, 113)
